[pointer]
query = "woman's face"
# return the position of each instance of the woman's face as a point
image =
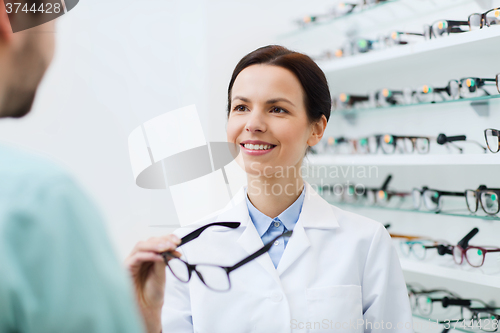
(268, 120)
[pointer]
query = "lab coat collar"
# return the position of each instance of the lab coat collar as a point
(316, 213)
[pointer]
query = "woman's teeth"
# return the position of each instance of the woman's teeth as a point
(257, 147)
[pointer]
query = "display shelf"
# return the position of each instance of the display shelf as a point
(426, 105)
(457, 213)
(409, 159)
(334, 21)
(450, 273)
(447, 47)
(384, 14)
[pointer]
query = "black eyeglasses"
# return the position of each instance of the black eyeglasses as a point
(214, 277)
(488, 18)
(489, 198)
(444, 27)
(388, 143)
(431, 198)
(492, 139)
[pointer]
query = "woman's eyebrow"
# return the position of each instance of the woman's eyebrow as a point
(271, 101)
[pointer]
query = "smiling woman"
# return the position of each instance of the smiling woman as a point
(322, 265)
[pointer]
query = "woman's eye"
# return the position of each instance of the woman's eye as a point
(240, 108)
(279, 110)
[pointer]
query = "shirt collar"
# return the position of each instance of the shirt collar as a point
(288, 217)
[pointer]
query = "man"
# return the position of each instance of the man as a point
(58, 272)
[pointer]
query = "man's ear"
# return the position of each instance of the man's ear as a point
(5, 27)
(318, 131)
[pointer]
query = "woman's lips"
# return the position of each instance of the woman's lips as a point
(253, 152)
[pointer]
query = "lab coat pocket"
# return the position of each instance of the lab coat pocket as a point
(335, 308)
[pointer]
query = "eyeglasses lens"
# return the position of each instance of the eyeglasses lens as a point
(471, 199)
(489, 201)
(214, 277)
(469, 88)
(493, 17)
(440, 29)
(475, 22)
(373, 144)
(432, 200)
(424, 304)
(179, 269)
(388, 144)
(415, 194)
(457, 255)
(454, 89)
(492, 140)
(419, 250)
(474, 256)
(405, 248)
(422, 145)
(408, 145)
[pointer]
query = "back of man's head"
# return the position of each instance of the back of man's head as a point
(26, 50)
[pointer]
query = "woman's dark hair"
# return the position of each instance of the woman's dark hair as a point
(318, 101)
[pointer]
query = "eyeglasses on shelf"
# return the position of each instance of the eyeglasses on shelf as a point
(492, 139)
(214, 277)
(341, 9)
(435, 30)
(486, 19)
(488, 198)
(431, 198)
(468, 87)
(471, 313)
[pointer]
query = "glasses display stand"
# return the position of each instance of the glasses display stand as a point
(427, 62)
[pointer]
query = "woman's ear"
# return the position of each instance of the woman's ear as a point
(318, 131)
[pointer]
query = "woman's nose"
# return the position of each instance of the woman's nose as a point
(256, 122)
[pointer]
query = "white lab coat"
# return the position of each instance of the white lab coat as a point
(339, 272)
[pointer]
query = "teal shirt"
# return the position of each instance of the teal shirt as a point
(58, 271)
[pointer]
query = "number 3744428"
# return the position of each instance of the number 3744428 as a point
(44, 8)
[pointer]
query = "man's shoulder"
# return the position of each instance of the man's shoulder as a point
(25, 167)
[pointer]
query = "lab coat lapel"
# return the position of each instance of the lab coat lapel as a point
(249, 240)
(316, 213)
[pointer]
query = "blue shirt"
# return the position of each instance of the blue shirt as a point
(268, 228)
(58, 271)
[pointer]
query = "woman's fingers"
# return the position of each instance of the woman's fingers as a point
(139, 258)
(157, 244)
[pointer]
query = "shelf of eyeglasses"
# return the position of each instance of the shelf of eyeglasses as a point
(453, 327)
(454, 212)
(341, 11)
(324, 159)
(449, 47)
(414, 105)
(450, 272)
(369, 16)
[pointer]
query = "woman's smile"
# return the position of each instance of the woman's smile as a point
(256, 147)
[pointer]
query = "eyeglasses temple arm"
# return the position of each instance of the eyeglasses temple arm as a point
(193, 235)
(464, 242)
(450, 301)
(386, 183)
(257, 253)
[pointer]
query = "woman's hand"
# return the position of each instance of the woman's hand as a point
(147, 269)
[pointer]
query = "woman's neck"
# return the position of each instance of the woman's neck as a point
(273, 195)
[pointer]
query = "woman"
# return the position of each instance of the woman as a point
(337, 271)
